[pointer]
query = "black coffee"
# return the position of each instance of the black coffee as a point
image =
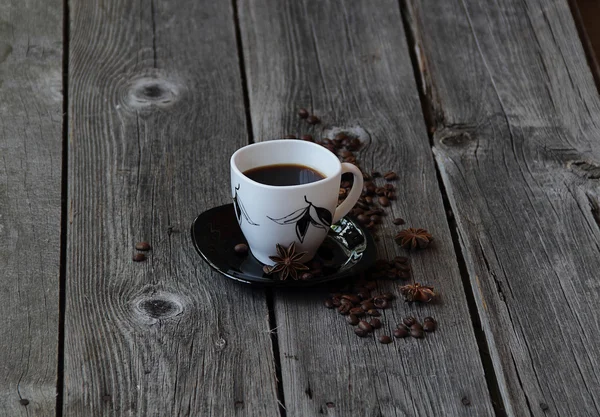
(284, 174)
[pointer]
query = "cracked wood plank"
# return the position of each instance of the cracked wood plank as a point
(156, 110)
(30, 201)
(516, 118)
(348, 63)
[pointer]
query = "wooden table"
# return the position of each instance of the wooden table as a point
(117, 120)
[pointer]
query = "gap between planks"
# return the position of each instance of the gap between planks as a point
(64, 214)
(429, 119)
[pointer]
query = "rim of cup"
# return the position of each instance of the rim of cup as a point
(319, 148)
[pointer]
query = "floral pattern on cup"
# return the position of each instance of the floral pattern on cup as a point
(303, 217)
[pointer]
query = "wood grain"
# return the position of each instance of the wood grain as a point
(156, 110)
(30, 190)
(348, 63)
(516, 116)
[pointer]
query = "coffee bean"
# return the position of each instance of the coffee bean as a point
(346, 154)
(24, 401)
(143, 246)
(357, 311)
(385, 339)
(344, 309)
(303, 113)
(375, 219)
(380, 302)
(403, 275)
(352, 298)
(465, 401)
(370, 226)
(336, 301)
(342, 192)
(340, 136)
(360, 332)
(389, 187)
(139, 257)
(367, 305)
(369, 188)
(380, 191)
(363, 205)
(390, 195)
(388, 296)
(313, 120)
(354, 144)
(266, 269)
(290, 137)
(368, 199)
(543, 406)
(375, 174)
(241, 248)
(307, 276)
(416, 333)
(363, 219)
(401, 259)
(401, 332)
(352, 319)
(370, 285)
(329, 303)
(403, 267)
(308, 138)
(390, 176)
(416, 326)
(409, 321)
(363, 294)
(398, 221)
(429, 326)
(375, 323)
(345, 184)
(384, 201)
(365, 326)
(373, 313)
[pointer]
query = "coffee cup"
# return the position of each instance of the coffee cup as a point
(286, 191)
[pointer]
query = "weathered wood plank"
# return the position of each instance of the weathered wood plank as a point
(348, 62)
(516, 115)
(156, 109)
(30, 186)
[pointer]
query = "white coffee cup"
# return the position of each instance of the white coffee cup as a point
(269, 215)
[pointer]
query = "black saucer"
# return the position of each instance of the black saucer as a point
(347, 250)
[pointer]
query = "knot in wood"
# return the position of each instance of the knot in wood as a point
(150, 91)
(159, 307)
(455, 139)
(586, 169)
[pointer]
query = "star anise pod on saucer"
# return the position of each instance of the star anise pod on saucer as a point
(287, 262)
(417, 292)
(413, 238)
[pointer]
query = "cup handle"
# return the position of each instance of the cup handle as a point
(355, 192)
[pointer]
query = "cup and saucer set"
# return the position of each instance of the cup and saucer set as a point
(285, 210)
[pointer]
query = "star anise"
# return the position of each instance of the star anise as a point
(417, 292)
(287, 262)
(413, 238)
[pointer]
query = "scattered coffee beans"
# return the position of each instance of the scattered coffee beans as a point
(241, 248)
(303, 113)
(398, 221)
(417, 333)
(401, 331)
(385, 339)
(390, 176)
(139, 257)
(375, 323)
(409, 321)
(429, 324)
(313, 120)
(143, 246)
(360, 332)
(365, 326)
(352, 319)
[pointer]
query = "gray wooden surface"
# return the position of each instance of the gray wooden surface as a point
(516, 118)
(348, 63)
(508, 112)
(156, 108)
(30, 188)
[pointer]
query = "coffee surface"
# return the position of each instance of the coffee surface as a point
(284, 174)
